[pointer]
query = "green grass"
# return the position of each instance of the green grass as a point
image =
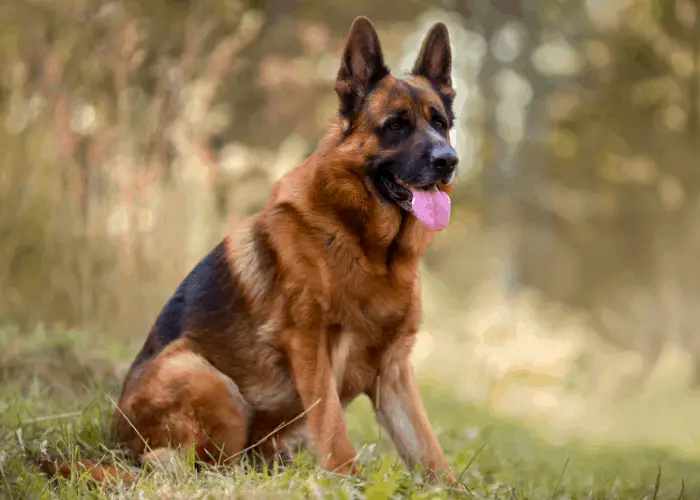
(56, 393)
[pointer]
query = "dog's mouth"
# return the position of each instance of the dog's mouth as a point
(430, 205)
(425, 201)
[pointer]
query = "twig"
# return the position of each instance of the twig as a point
(657, 484)
(21, 441)
(45, 418)
(680, 495)
(276, 430)
(146, 445)
(459, 479)
(561, 476)
(7, 483)
(260, 441)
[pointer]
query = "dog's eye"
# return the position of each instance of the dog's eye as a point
(439, 123)
(395, 125)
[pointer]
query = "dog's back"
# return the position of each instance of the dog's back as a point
(205, 296)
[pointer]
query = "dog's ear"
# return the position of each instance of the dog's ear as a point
(361, 67)
(434, 62)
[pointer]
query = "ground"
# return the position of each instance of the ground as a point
(57, 390)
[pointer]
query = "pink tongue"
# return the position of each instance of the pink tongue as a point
(432, 208)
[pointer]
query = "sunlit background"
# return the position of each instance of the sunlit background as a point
(566, 290)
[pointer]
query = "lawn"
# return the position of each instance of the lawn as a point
(57, 391)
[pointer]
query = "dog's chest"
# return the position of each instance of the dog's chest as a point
(371, 308)
(361, 283)
(352, 367)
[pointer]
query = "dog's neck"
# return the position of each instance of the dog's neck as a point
(340, 200)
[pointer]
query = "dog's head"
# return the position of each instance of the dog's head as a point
(401, 125)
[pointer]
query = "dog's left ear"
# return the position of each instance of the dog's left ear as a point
(434, 62)
(361, 67)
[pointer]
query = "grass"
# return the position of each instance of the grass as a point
(56, 393)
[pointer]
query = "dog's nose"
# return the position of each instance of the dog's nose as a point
(444, 159)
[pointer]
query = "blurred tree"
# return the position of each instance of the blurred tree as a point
(626, 151)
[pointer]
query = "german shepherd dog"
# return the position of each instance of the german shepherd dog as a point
(316, 299)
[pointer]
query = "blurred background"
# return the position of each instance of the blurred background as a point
(566, 290)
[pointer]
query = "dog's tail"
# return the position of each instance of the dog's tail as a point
(99, 472)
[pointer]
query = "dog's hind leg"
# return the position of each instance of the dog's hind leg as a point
(181, 401)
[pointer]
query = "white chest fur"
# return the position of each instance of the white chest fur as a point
(339, 357)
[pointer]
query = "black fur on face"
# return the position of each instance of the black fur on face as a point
(409, 119)
(415, 149)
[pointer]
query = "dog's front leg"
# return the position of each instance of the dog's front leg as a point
(313, 376)
(400, 411)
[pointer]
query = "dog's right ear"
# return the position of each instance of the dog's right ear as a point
(361, 67)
